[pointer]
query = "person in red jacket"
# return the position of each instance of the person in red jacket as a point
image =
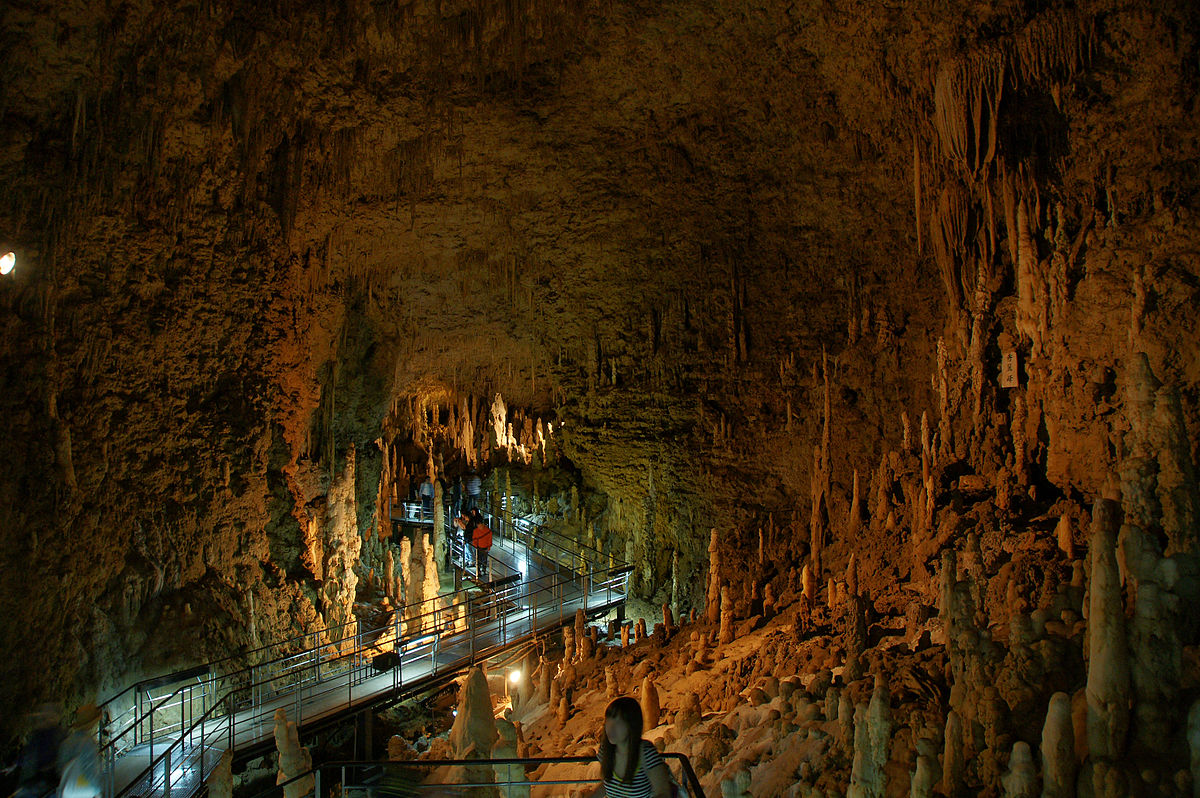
(479, 536)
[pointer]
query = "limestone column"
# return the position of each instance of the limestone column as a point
(1058, 749)
(1108, 650)
(293, 759)
(439, 525)
(713, 604)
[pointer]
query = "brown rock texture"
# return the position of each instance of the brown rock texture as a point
(263, 248)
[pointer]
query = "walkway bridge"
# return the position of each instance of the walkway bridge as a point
(164, 736)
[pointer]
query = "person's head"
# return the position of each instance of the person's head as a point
(622, 729)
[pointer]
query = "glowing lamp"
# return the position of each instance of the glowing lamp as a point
(8, 262)
(514, 677)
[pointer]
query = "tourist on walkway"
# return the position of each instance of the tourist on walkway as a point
(471, 488)
(456, 497)
(630, 766)
(426, 492)
(79, 756)
(481, 540)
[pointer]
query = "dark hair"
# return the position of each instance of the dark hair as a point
(629, 711)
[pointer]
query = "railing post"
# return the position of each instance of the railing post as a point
(471, 625)
(317, 783)
(167, 774)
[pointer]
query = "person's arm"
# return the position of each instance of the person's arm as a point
(656, 772)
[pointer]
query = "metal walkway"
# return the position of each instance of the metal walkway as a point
(165, 736)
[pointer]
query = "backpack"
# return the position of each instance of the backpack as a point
(481, 536)
(76, 782)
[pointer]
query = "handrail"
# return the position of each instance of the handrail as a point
(347, 668)
(228, 701)
(690, 781)
(438, 622)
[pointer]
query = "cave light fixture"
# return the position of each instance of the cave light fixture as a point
(515, 677)
(8, 262)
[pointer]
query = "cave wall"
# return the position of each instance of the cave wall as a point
(246, 232)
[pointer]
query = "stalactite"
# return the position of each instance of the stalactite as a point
(917, 193)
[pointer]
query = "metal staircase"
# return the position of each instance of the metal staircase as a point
(163, 737)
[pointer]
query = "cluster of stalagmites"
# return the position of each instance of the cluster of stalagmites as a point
(1046, 658)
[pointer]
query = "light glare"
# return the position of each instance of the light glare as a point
(7, 262)
(514, 677)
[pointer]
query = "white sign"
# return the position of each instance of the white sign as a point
(1008, 370)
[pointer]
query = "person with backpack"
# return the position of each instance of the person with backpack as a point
(481, 540)
(79, 756)
(630, 766)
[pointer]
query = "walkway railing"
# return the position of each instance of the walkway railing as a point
(182, 731)
(370, 779)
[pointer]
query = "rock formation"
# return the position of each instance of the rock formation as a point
(294, 759)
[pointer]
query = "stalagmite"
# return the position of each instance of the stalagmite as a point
(1193, 742)
(953, 763)
(439, 525)
(506, 748)
(433, 586)
(415, 584)
(668, 617)
(1058, 749)
(1021, 780)
(872, 734)
(832, 698)
(564, 710)
(650, 705)
(855, 519)
(846, 723)
(390, 581)
(581, 633)
(922, 783)
(474, 731)
(220, 781)
(625, 628)
(1064, 534)
(690, 714)
(713, 605)
(863, 779)
(737, 786)
(1156, 668)
(809, 586)
(610, 682)
(293, 759)
(1108, 659)
(639, 630)
(1178, 489)
(726, 616)
(544, 681)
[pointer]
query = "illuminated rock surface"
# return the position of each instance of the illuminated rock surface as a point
(908, 285)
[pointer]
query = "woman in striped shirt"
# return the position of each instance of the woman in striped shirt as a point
(631, 766)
